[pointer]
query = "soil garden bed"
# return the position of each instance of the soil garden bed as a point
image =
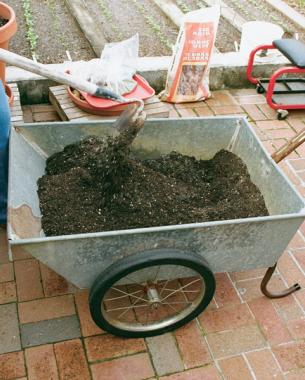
(47, 29)
(53, 32)
(226, 33)
(252, 10)
(173, 189)
(298, 5)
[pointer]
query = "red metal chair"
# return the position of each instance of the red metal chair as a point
(282, 93)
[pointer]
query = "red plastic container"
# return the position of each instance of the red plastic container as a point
(141, 91)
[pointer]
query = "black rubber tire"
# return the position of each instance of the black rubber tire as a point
(143, 260)
(260, 89)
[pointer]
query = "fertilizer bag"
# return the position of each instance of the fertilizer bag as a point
(188, 76)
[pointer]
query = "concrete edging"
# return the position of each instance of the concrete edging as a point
(89, 27)
(289, 12)
(228, 70)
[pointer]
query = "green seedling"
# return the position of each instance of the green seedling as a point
(109, 17)
(56, 24)
(31, 35)
(183, 6)
(153, 25)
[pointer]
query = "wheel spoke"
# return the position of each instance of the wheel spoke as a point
(133, 281)
(164, 286)
(130, 294)
(184, 291)
(175, 303)
(156, 276)
(126, 307)
(146, 316)
(124, 312)
(172, 307)
(125, 295)
(179, 290)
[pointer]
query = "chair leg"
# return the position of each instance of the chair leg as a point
(269, 294)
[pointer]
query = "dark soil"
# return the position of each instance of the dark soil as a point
(121, 19)
(226, 33)
(173, 189)
(19, 44)
(298, 5)
(3, 21)
(252, 10)
(56, 29)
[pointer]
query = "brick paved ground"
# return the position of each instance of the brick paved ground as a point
(46, 331)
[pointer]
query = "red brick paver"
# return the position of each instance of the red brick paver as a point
(71, 360)
(264, 365)
(241, 336)
(7, 292)
(227, 317)
(87, 325)
(206, 373)
(192, 346)
(41, 363)
(12, 365)
(46, 308)
(53, 283)
(28, 280)
(235, 368)
(107, 346)
(270, 322)
(6, 272)
(135, 367)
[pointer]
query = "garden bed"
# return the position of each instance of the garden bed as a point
(252, 10)
(298, 5)
(47, 29)
(227, 34)
(54, 31)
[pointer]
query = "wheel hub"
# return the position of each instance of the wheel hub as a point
(153, 297)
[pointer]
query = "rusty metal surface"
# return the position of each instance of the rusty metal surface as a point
(227, 246)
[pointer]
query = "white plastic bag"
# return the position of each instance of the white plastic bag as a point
(188, 76)
(116, 67)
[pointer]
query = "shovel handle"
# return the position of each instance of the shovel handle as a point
(56, 75)
(292, 144)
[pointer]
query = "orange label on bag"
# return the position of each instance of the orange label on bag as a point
(198, 44)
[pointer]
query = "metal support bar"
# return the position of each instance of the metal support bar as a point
(250, 77)
(273, 79)
(281, 294)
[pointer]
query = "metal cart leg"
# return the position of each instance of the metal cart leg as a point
(269, 294)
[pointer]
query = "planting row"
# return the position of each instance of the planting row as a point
(47, 29)
(227, 34)
(252, 10)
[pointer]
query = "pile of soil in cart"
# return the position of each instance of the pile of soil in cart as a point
(75, 197)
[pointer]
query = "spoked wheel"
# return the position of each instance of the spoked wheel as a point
(151, 293)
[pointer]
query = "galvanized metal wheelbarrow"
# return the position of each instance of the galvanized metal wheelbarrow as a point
(147, 281)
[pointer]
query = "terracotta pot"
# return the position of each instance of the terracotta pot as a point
(6, 32)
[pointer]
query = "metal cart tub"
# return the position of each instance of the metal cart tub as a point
(147, 281)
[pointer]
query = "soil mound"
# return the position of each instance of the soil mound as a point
(94, 185)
